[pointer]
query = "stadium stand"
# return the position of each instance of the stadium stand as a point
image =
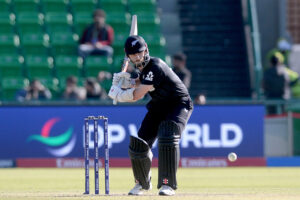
(213, 40)
(39, 39)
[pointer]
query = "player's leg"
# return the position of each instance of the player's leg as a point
(169, 134)
(141, 158)
(141, 155)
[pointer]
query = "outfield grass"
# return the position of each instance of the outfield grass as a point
(194, 183)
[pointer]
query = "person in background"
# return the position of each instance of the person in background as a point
(37, 91)
(283, 47)
(97, 38)
(276, 82)
(93, 89)
(72, 90)
(179, 67)
(200, 99)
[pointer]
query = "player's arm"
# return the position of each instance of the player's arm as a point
(137, 82)
(141, 91)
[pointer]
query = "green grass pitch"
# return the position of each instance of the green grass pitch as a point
(235, 183)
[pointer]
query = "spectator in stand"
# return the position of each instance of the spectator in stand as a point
(73, 91)
(93, 90)
(276, 82)
(97, 38)
(36, 91)
(200, 99)
(283, 47)
(179, 67)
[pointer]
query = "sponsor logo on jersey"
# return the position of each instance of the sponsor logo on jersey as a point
(149, 76)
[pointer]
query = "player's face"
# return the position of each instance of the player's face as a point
(137, 58)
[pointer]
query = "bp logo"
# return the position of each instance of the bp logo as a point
(60, 145)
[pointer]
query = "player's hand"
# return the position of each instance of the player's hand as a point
(124, 77)
(114, 91)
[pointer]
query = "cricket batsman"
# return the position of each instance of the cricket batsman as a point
(169, 110)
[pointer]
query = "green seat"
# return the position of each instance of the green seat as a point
(11, 66)
(148, 23)
(58, 22)
(156, 43)
(35, 44)
(39, 66)
(119, 42)
(81, 21)
(142, 5)
(64, 43)
(113, 5)
(9, 44)
(26, 5)
(68, 65)
(54, 5)
(4, 5)
(94, 64)
(11, 85)
(30, 22)
(120, 21)
(7, 22)
(83, 5)
(117, 63)
(106, 84)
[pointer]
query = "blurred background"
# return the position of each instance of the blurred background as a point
(240, 60)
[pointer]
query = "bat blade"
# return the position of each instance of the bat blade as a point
(133, 29)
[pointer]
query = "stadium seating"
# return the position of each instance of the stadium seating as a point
(113, 5)
(118, 44)
(117, 63)
(58, 22)
(35, 44)
(81, 21)
(68, 65)
(83, 6)
(39, 66)
(11, 66)
(54, 5)
(25, 5)
(7, 22)
(120, 21)
(29, 22)
(94, 64)
(214, 43)
(4, 6)
(39, 39)
(149, 23)
(142, 5)
(9, 43)
(10, 86)
(63, 43)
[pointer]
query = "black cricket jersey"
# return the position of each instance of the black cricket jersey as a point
(168, 88)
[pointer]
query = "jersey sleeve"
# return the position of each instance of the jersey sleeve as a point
(153, 76)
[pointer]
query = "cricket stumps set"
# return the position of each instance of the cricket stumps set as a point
(95, 120)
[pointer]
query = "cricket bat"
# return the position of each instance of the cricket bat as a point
(133, 31)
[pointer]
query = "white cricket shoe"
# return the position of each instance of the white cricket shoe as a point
(166, 190)
(138, 190)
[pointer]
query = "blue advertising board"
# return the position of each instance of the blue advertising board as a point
(50, 131)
